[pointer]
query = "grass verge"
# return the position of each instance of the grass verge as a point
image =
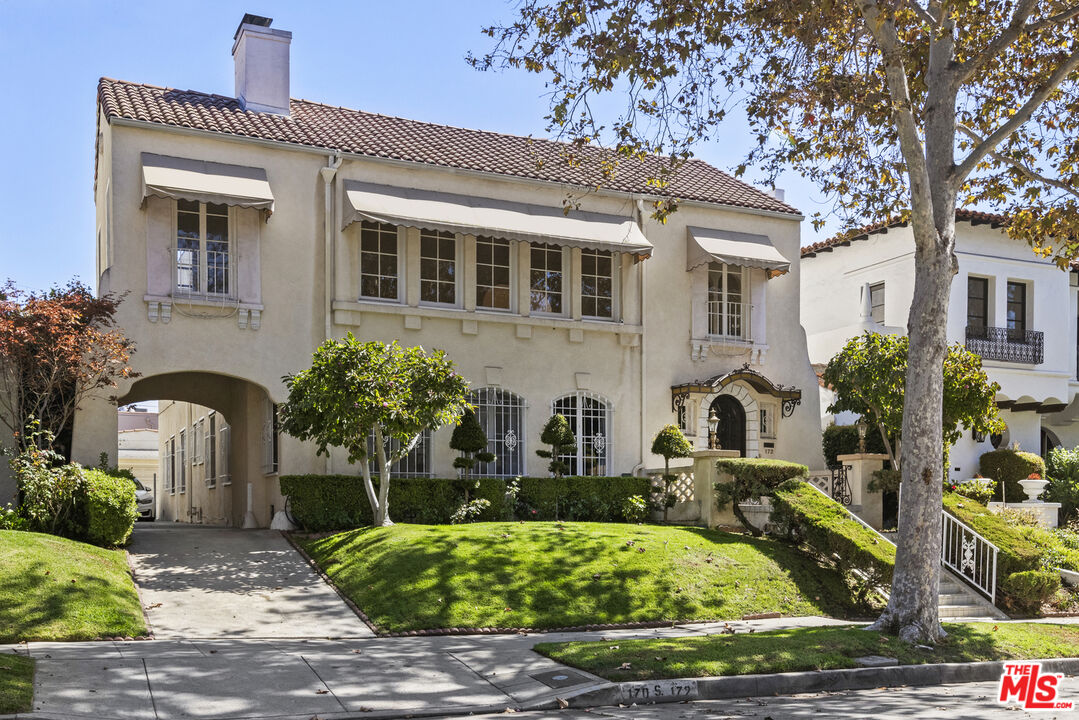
(52, 588)
(824, 648)
(16, 684)
(550, 574)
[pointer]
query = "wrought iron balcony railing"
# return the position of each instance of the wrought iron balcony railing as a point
(1018, 346)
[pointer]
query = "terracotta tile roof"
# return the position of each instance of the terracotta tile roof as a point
(974, 217)
(362, 133)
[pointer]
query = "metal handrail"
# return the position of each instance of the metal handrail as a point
(982, 555)
(720, 314)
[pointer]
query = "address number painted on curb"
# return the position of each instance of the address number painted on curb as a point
(658, 691)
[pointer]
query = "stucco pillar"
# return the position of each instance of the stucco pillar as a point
(94, 431)
(705, 476)
(867, 505)
(468, 271)
(412, 266)
(574, 275)
(524, 283)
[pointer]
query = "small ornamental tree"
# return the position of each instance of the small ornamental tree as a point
(354, 389)
(869, 378)
(56, 349)
(559, 436)
(469, 439)
(670, 443)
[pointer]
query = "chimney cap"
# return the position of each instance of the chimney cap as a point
(249, 19)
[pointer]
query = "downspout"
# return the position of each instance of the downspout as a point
(330, 227)
(641, 296)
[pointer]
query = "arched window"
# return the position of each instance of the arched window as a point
(502, 416)
(416, 464)
(590, 418)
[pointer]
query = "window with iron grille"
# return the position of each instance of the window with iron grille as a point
(202, 249)
(493, 273)
(726, 309)
(546, 279)
(589, 417)
(417, 463)
(378, 261)
(438, 267)
(501, 414)
(597, 284)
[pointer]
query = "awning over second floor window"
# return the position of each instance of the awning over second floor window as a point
(492, 218)
(734, 248)
(204, 181)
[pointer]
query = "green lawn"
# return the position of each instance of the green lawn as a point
(549, 574)
(57, 589)
(807, 649)
(16, 684)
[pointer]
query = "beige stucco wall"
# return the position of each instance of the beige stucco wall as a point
(631, 361)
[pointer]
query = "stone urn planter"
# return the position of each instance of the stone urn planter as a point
(1033, 487)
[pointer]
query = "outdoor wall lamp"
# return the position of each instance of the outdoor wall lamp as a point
(713, 424)
(979, 437)
(862, 428)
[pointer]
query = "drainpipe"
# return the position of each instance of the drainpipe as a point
(330, 226)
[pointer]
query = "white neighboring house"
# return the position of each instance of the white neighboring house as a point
(137, 451)
(1015, 309)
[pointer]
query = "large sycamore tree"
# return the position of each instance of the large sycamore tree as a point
(893, 107)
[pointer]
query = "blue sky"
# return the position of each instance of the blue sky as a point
(399, 58)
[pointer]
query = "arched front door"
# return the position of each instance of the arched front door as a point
(731, 431)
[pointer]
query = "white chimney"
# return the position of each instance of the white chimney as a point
(261, 55)
(780, 194)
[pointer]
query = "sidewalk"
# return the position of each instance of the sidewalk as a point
(327, 678)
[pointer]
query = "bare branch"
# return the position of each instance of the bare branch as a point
(1015, 121)
(1016, 27)
(1025, 169)
(1060, 17)
(923, 14)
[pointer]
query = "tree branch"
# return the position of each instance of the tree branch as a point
(923, 14)
(1007, 36)
(1015, 121)
(1026, 170)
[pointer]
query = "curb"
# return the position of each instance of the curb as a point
(741, 686)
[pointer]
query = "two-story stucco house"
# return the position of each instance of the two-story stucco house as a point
(250, 228)
(1012, 307)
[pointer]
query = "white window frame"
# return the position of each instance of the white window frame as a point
(455, 259)
(421, 451)
(767, 420)
(198, 430)
(723, 302)
(399, 255)
(512, 259)
(495, 411)
(170, 465)
(612, 257)
(578, 460)
(203, 266)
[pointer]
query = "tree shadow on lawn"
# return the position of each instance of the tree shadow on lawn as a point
(538, 575)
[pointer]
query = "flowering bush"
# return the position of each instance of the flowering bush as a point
(978, 488)
(635, 508)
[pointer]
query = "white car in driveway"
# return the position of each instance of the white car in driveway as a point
(144, 498)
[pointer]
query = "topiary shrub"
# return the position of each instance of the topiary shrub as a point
(1008, 467)
(843, 440)
(559, 436)
(1026, 591)
(752, 479)
(807, 515)
(469, 439)
(109, 508)
(669, 443)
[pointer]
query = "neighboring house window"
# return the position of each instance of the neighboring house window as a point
(501, 414)
(202, 249)
(589, 417)
(210, 448)
(876, 302)
(597, 283)
(271, 435)
(197, 432)
(493, 273)
(546, 279)
(417, 463)
(378, 261)
(726, 311)
(170, 465)
(768, 419)
(1017, 310)
(182, 462)
(223, 439)
(977, 306)
(438, 267)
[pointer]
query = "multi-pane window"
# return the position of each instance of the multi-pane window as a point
(210, 448)
(417, 463)
(1017, 310)
(197, 432)
(224, 436)
(378, 261)
(181, 461)
(726, 311)
(202, 248)
(977, 306)
(492, 273)
(438, 267)
(502, 416)
(876, 302)
(546, 278)
(597, 283)
(589, 417)
(271, 437)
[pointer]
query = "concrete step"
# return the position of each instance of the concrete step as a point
(964, 610)
(957, 598)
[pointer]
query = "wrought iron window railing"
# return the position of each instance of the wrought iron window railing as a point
(1019, 346)
(727, 319)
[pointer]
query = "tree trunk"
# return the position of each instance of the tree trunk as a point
(383, 517)
(365, 470)
(666, 484)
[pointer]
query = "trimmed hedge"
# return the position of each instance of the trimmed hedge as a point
(110, 508)
(335, 502)
(809, 516)
(1026, 591)
(843, 440)
(1008, 467)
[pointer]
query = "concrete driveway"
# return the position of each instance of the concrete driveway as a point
(208, 582)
